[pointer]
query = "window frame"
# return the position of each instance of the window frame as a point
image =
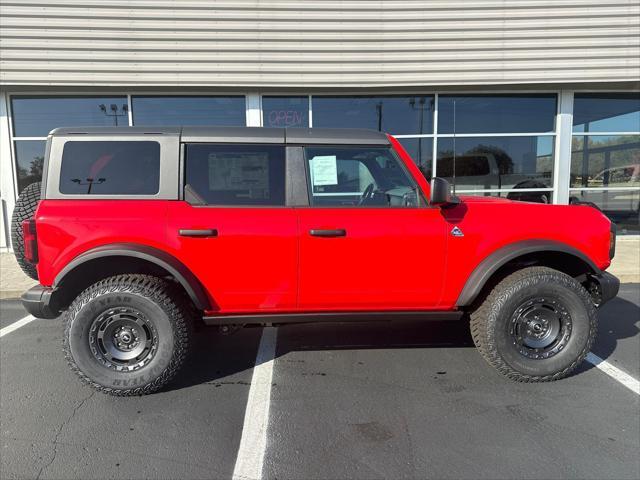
(169, 151)
(422, 199)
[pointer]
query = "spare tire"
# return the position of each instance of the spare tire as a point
(25, 208)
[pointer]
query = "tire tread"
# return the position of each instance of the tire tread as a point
(160, 291)
(24, 209)
(480, 331)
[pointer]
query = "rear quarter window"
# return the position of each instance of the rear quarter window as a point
(110, 168)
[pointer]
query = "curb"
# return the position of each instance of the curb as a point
(11, 294)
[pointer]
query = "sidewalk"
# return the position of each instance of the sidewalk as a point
(625, 266)
(12, 281)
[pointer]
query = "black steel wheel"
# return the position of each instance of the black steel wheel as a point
(536, 325)
(123, 339)
(540, 327)
(128, 334)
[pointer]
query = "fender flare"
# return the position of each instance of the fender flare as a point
(487, 267)
(168, 262)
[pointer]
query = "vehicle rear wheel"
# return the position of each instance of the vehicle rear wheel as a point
(128, 334)
(24, 209)
(536, 325)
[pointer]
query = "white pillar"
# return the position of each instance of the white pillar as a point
(7, 181)
(562, 163)
(254, 112)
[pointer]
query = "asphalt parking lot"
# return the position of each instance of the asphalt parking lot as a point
(385, 400)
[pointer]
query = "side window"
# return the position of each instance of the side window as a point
(110, 168)
(358, 177)
(236, 174)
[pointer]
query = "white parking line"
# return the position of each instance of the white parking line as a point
(253, 442)
(16, 325)
(614, 372)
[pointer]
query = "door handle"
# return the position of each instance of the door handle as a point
(198, 233)
(339, 232)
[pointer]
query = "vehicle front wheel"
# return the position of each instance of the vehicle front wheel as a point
(128, 334)
(536, 325)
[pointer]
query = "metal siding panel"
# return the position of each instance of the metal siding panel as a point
(293, 43)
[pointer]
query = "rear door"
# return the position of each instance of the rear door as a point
(233, 229)
(368, 241)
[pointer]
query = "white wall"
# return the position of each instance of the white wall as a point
(324, 44)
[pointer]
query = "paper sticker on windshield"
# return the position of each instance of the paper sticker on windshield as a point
(324, 170)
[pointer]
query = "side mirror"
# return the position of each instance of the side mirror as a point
(441, 193)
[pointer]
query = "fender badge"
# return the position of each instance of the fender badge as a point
(456, 232)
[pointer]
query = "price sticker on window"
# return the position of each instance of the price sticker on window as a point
(324, 170)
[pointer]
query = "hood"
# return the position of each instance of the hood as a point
(479, 199)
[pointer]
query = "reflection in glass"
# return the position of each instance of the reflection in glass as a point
(605, 161)
(285, 111)
(497, 162)
(110, 168)
(522, 196)
(421, 151)
(621, 206)
(37, 116)
(189, 110)
(606, 112)
(497, 113)
(29, 161)
(396, 115)
(236, 174)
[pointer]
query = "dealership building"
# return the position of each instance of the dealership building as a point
(533, 100)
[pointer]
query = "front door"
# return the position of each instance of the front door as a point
(233, 231)
(367, 241)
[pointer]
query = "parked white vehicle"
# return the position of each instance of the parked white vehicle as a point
(482, 171)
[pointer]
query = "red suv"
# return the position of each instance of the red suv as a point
(138, 234)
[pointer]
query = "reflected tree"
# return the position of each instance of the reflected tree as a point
(33, 174)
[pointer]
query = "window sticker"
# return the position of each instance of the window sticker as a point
(324, 170)
(229, 172)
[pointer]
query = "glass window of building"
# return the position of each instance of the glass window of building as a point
(421, 151)
(189, 110)
(33, 117)
(37, 116)
(497, 113)
(605, 161)
(285, 111)
(29, 161)
(398, 115)
(605, 156)
(612, 112)
(497, 163)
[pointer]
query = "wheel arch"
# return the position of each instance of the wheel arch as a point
(548, 253)
(107, 260)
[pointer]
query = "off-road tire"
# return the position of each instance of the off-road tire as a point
(160, 301)
(24, 209)
(491, 323)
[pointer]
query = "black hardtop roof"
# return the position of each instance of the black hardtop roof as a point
(292, 136)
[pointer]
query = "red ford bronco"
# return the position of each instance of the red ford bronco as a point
(137, 234)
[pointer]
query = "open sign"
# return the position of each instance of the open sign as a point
(286, 118)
